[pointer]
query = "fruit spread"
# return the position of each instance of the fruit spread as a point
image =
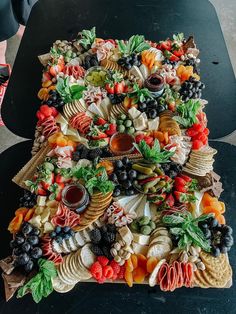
(121, 185)
(155, 83)
(75, 196)
(121, 143)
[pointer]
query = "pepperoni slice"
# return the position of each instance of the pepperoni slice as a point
(163, 277)
(172, 278)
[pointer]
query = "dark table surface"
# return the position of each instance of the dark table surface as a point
(156, 19)
(116, 298)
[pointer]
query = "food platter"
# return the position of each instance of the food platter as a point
(121, 186)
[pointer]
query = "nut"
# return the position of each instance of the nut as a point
(184, 257)
(198, 249)
(113, 252)
(194, 267)
(117, 258)
(117, 246)
(121, 262)
(201, 266)
(122, 243)
(193, 251)
(121, 252)
(192, 259)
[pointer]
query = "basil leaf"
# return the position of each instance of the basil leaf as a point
(203, 217)
(184, 242)
(173, 220)
(176, 231)
(197, 237)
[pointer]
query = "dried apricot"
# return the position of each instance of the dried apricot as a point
(129, 278)
(142, 261)
(15, 224)
(134, 260)
(139, 274)
(151, 264)
(129, 265)
(61, 141)
(29, 214)
(221, 219)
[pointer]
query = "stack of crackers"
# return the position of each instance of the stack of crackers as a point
(70, 109)
(117, 110)
(200, 161)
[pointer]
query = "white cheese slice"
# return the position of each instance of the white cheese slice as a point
(153, 276)
(129, 205)
(95, 110)
(134, 113)
(79, 240)
(144, 70)
(196, 208)
(132, 207)
(123, 200)
(41, 200)
(141, 238)
(137, 73)
(60, 119)
(153, 124)
(140, 209)
(56, 247)
(147, 211)
(71, 244)
(139, 249)
(72, 131)
(105, 106)
(82, 102)
(64, 128)
(139, 123)
(126, 235)
(85, 235)
(144, 115)
(64, 247)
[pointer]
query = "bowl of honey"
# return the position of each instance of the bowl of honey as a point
(122, 144)
(75, 197)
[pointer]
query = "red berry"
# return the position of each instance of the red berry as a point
(54, 112)
(121, 272)
(202, 137)
(40, 115)
(115, 266)
(47, 111)
(197, 144)
(148, 140)
(198, 127)
(206, 131)
(103, 260)
(139, 138)
(96, 270)
(191, 132)
(108, 271)
(101, 280)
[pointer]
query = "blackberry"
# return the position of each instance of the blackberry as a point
(128, 62)
(55, 100)
(76, 156)
(109, 237)
(111, 228)
(95, 236)
(28, 200)
(94, 153)
(116, 98)
(106, 252)
(90, 61)
(84, 153)
(96, 250)
(106, 152)
(191, 89)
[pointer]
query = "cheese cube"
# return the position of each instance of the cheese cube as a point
(134, 113)
(153, 124)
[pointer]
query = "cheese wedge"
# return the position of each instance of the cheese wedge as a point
(93, 108)
(134, 113)
(126, 235)
(144, 70)
(139, 249)
(141, 238)
(153, 276)
(153, 124)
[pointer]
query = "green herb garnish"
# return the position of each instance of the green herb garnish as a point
(69, 92)
(185, 226)
(135, 44)
(140, 94)
(87, 38)
(41, 284)
(94, 179)
(153, 154)
(187, 113)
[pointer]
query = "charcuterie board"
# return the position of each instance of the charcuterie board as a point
(121, 186)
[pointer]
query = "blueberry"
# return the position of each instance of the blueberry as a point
(161, 108)
(71, 232)
(13, 244)
(27, 228)
(36, 252)
(142, 106)
(53, 234)
(66, 236)
(66, 229)
(214, 223)
(59, 239)
(19, 240)
(215, 251)
(123, 176)
(17, 251)
(172, 174)
(35, 231)
(125, 160)
(132, 174)
(116, 192)
(118, 164)
(113, 177)
(129, 192)
(227, 230)
(152, 114)
(207, 233)
(29, 266)
(26, 247)
(22, 259)
(33, 240)
(58, 229)
(127, 184)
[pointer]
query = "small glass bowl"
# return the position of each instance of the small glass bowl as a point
(95, 69)
(124, 137)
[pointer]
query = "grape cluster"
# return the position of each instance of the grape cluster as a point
(194, 63)
(219, 236)
(61, 233)
(123, 177)
(151, 107)
(55, 100)
(167, 61)
(90, 61)
(191, 89)
(82, 152)
(26, 247)
(28, 200)
(128, 62)
(171, 169)
(116, 98)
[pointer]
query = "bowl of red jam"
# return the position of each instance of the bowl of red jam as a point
(75, 197)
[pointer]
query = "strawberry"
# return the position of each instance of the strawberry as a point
(111, 129)
(56, 190)
(100, 121)
(54, 111)
(184, 197)
(178, 52)
(99, 136)
(186, 178)
(169, 201)
(46, 110)
(110, 88)
(119, 87)
(197, 144)
(139, 138)
(165, 45)
(61, 179)
(40, 116)
(46, 76)
(111, 41)
(202, 137)
(198, 127)
(48, 181)
(40, 191)
(191, 132)
(148, 139)
(173, 58)
(206, 131)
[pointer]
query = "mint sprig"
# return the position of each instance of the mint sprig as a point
(69, 92)
(187, 113)
(135, 44)
(87, 38)
(41, 284)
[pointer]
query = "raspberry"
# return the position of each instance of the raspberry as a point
(198, 127)
(197, 144)
(121, 274)
(40, 115)
(190, 132)
(115, 266)
(103, 260)
(47, 111)
(108, 271)
(54, 112)
(95, 236)
(206, 131)
(96, 270)
(101, 280)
